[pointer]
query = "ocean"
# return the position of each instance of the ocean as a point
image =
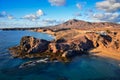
(80, 68)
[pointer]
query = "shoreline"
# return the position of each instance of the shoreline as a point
(96, 51)
(105, 54)
(104, 41)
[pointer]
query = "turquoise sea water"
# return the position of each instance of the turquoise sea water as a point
(80, 68)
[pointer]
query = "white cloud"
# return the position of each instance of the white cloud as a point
(57, 2)
(108, 17)
(39, 12)
(34, 17)
(19, 23)
(10, 17)
(110, 11)
(49, 20)
(79, 6)
(31, 17)
(109, 5)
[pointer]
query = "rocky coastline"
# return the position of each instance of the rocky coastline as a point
(31, 47)
(69, 42)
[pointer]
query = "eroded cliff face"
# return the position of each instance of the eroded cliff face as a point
(109, 43)
(106, 47)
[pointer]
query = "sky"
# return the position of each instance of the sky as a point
(39, 13)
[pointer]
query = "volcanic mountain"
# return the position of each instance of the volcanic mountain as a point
(74, 23)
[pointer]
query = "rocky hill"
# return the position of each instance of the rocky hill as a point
(84, 25)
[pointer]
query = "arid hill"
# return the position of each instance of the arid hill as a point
(84, 25)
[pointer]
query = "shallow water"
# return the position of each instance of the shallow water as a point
(80, 68)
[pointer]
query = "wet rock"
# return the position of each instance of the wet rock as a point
(33, 63)
(27, 64)
(36, 62)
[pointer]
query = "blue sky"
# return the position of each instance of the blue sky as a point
(36, 13)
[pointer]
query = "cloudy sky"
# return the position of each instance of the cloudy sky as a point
(36, 13)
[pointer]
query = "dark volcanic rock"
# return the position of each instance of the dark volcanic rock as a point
(59, 47)
(86, 44)
(33, 63)
(33, 45)
(29, 45)
(71, 53)
(72, 48)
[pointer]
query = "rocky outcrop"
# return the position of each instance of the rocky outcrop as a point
(107, 42)
(103, 40)
(115, 43)
(33, 46)
(30, 45)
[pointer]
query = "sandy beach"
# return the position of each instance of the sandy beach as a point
(106, 53)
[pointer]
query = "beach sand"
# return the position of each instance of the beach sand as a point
(106, 53)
